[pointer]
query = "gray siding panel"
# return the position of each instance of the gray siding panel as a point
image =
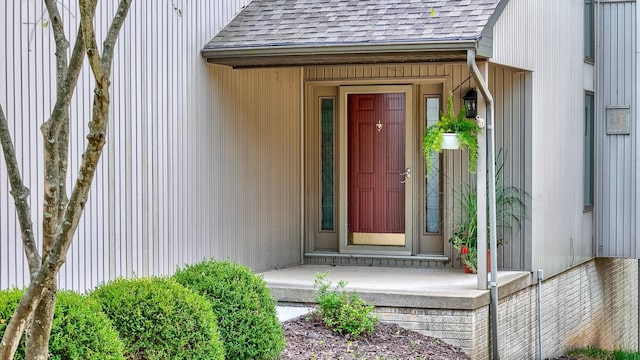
(508, 89)
(561, 231)
(200, 162)
(616, 155)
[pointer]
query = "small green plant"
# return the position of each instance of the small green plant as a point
(625, 355)
(466, 131)
(244, 305)
(343, 311)
(595, 353)
(79, 330)
(158, 318)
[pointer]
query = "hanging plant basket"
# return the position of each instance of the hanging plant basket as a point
(450, 141)
(451, 132)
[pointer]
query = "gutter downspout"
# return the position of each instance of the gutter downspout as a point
(302, 155)
(491, 176)
(635, 101)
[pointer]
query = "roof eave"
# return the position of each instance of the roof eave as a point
(333, 54)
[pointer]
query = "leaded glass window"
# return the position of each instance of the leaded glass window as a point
(327, 117)
(432, 194)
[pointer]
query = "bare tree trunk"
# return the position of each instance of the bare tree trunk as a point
(61, 213)
(37, 337)
(27, 305)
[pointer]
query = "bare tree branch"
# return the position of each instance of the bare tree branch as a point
(52, 181)
(65, 89)
(110, 40)
(62, 44)
(75, 65)
(20, 195)
(87, 12)
(62, 109)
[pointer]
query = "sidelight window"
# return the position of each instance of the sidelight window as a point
(432, 181)
(327, 170)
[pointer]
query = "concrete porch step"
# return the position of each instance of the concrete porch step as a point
(415, 261)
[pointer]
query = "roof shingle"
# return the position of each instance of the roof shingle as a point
(291, 23)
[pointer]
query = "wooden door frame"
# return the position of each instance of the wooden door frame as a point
(344, 92)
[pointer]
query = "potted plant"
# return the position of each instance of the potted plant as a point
(464, 130)
(465, 240)
(510, 210)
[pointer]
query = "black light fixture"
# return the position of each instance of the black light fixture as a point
(471, 103)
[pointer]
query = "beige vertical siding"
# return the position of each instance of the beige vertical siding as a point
(255, 127)
(193, 168)
(617, 155)
(509, 86)
(547, 37)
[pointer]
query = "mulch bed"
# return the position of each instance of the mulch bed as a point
(308, 338)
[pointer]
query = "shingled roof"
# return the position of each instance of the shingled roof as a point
(274, 32)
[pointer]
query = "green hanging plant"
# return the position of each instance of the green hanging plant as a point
(466, 131)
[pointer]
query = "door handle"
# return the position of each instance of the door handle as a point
(405, 175)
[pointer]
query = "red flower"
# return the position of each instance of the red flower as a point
(464, 250)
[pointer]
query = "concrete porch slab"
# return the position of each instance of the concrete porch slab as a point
(394, 287)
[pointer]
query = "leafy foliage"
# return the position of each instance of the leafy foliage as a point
(466, 131)
(510, 210)
(595, 353)
(243, 303)
(341, 310)
(160, 319)
(80, 330)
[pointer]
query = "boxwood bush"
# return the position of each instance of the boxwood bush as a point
(79, 331)
(158, 318)
(245, 308)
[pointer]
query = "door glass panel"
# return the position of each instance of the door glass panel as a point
(432, 194)
(327, 123)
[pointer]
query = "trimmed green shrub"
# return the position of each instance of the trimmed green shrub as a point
(244, 306)
(160, 319)
(343, 311)
(79, 331)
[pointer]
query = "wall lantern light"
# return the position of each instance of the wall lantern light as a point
(471, 103)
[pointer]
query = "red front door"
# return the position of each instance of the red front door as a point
(376, 161)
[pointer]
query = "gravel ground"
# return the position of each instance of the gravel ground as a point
(307, 338)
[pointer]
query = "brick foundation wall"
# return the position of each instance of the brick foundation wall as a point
(467, 329)
(592, 304)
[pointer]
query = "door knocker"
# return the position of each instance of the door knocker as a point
(379, 125)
